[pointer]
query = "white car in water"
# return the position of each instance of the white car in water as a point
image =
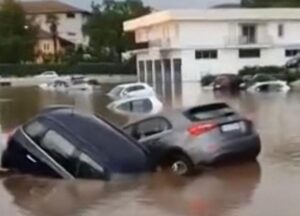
(269, 86)
(131, 90)
(64, 85)
(137, 106)
(48, 75)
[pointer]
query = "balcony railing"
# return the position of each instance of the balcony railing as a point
(248, 41)
(160, 43)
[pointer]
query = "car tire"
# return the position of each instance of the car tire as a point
(178, 164)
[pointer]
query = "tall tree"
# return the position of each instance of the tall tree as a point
(105, 27)
(17, 35)
(270, 3)
(53, 23)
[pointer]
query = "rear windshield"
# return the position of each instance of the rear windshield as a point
(209, 112)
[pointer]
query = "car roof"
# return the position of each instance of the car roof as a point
(104, 142)
(126, 85)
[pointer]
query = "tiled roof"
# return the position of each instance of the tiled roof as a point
(49, 6)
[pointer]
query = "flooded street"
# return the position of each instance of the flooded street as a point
(268, 187)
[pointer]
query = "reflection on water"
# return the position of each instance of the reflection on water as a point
(242, 189)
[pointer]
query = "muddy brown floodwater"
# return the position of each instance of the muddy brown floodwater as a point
(268, 187)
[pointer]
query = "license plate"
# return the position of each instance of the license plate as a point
(231, 127)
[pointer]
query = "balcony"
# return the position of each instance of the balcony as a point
(160, 43)
(242, 41)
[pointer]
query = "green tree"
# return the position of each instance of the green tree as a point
(17, 35)
(270, 3)
(105, 28)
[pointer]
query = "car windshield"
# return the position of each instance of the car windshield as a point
(116, 91)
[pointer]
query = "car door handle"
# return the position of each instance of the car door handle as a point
(31, 159)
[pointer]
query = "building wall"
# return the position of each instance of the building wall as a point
(68, 28)
(186, 37)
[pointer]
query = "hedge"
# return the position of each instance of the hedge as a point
(21, 70)
(281, 73)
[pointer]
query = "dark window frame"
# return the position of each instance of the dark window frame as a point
(281, 30)
(249, 53)
(206, 54)
(70, 15)
(291, 52)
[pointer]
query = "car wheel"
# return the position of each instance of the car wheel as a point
(178, 164)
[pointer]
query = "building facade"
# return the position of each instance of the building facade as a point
(69, 19)
(184, 45)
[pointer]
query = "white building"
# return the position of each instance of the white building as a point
(70, 19)
(184, 45)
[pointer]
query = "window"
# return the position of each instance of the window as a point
(269, 87)
(46, 46)
(248, 33)
(70, 15)
(59, 149)
(135, 88)
(137, 106)
(206, 54)
(89, 168)
(148, 128)
(71, 34)
(35, 130)
(249, 53)
(291, 52)
(280, 30)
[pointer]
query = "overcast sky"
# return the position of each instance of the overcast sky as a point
(163, 4)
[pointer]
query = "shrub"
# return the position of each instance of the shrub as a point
(21, 70)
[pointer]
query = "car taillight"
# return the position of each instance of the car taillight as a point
(197, 130)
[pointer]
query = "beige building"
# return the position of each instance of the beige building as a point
(70, 20)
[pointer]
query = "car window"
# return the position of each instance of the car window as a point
(35, 130)
(134, 88)
(205, 113)
(142, 106)
(88, 167)
(60, 149)
(270, 87)
(148, 128)
(137, 106)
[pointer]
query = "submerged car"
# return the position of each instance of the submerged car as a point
(48, 74)
(136, 106)
(270, 86)
(181, 141)
(131, 90)
(227, 81)
(65, 85)
(61, 142)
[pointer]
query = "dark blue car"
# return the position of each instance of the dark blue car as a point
(61, 142)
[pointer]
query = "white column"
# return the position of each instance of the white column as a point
(154, 74)
(138, 70)
(163, 74)
(173, 96)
